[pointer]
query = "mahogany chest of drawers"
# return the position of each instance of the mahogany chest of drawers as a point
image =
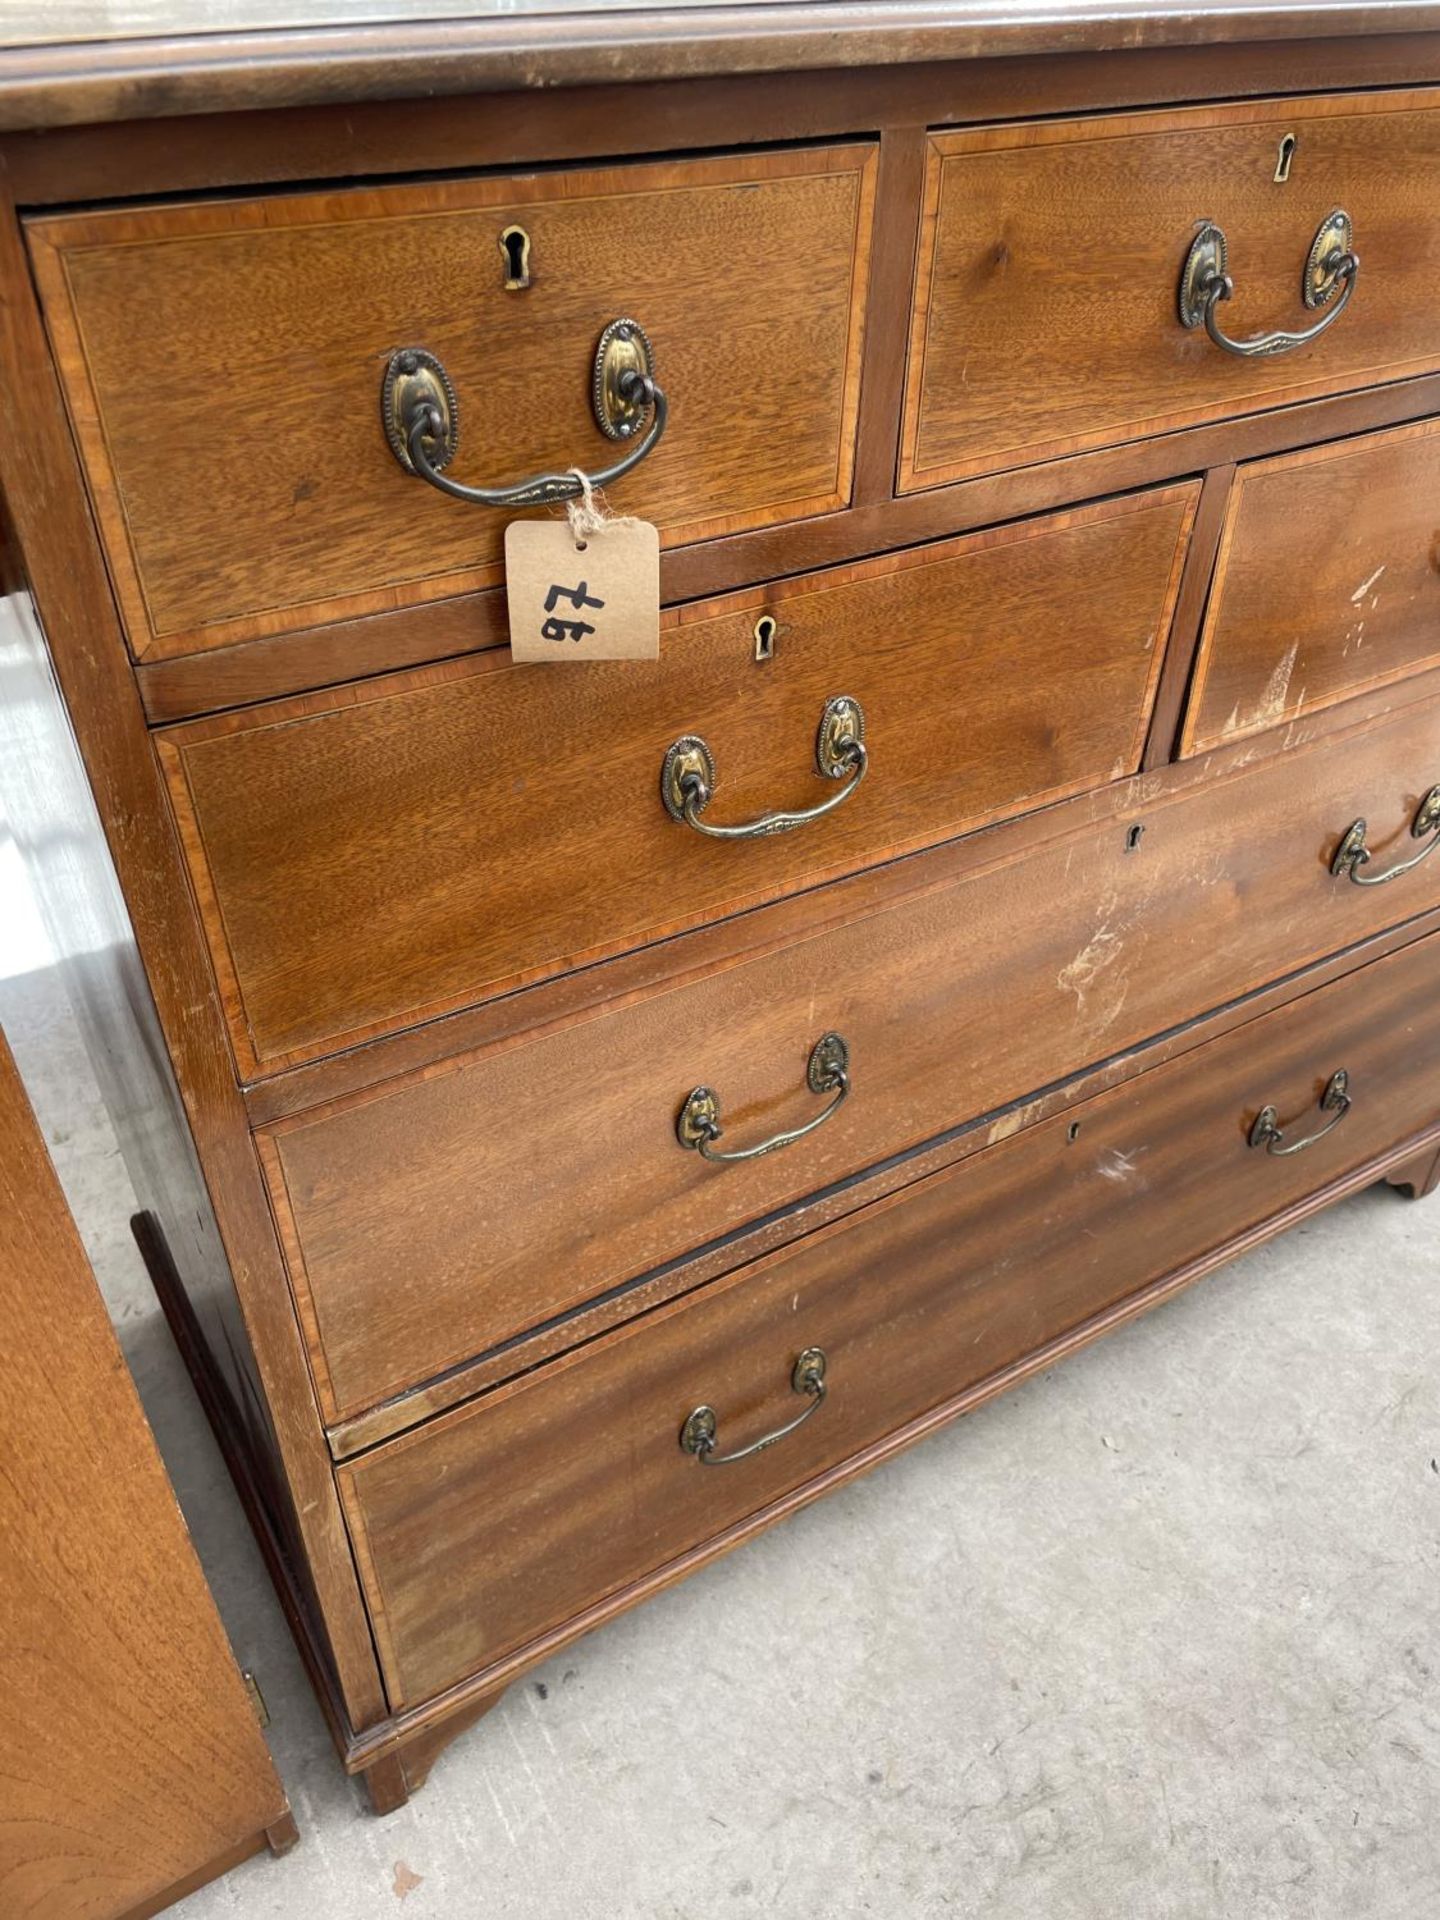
(629, 1098)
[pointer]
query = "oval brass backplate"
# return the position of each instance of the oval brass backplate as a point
(1427, 817)
(624, 349)
(1333, 236)
(828, 1064)
(699, 1118)
(1204, 264)
(415, 379)
(687, 758)
(841, 723)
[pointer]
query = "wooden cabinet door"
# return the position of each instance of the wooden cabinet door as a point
(134, 1765)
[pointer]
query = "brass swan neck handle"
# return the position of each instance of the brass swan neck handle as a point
(1332, 268)
(421, 417)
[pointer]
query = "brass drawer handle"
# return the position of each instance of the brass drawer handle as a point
(698, 1434)
(827, 1071)
(421, 417)
(1332, 266)
(1268, 1133)
(687, 776)
(1352, 853)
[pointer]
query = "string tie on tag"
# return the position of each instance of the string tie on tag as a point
(589, 516)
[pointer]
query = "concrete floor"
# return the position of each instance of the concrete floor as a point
(1153, 1638)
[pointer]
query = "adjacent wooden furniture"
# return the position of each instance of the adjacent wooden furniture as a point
(636, 1097)
(135, 1768)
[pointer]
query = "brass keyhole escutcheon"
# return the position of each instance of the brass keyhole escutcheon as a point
(514, 244)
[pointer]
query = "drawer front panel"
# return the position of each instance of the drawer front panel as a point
(434, 1217)
(1328, 582)
(370, 857)
(233, 438)
(510, 1516)
(1047, 306)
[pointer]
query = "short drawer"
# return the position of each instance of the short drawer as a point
(389, 851)
(223, 363)
(1047, 313)
(1327, 582)
(516, 1513)
(432, 1217)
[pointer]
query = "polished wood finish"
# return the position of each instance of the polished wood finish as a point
(577, 1469)
(366, 859)
(233, 442)
(56, 554)
(135, 1768)
(1328, 582)
(474, 1210)
(425, 1221)
(151, 71)
(1046, 324)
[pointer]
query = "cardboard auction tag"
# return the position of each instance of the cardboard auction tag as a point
(589, 596)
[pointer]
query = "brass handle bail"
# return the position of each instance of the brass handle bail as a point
(421, 418)
(827, 1071)
(1332, 267)
(1269, 1134)
(687, 775)
(1352, 853)
(701, 1429)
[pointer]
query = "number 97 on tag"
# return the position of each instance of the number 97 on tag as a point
(595, 599)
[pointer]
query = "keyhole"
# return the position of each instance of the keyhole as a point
(1285, 156)
(1073, 1131)
(1132, 838)
(765, 632)
(515, 251)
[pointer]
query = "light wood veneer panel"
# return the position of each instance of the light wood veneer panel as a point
(371, 856)
(1046, 317)
(222, 362)
(1328, 582)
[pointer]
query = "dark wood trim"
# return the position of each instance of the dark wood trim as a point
(162, 75)
(247, 1474)
(353, 1436)
(392, 1737)
(899, 197)
(1188, 618)
(56, 547)
(356, 649)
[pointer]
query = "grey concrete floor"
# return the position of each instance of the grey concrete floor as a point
(1152, 1638)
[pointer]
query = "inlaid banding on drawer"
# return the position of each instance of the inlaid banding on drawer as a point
(373, 856)
(500, 1521)
(1327, 583)
(1047, 310)
(233, 438)
(438, 1215)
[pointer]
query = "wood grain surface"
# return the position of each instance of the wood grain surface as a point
(174, 70)
(1328, 581)
(232, 438)
(367, 858)
(134, 1760)
(58, 557)
(443, 1213)
(494, 1523)
(1045, 317)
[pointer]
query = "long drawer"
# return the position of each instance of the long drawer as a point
(369, 857)
(1047, 313)
(514, 1514)
(1327, 582)
(434, 1216)
(233, 437)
